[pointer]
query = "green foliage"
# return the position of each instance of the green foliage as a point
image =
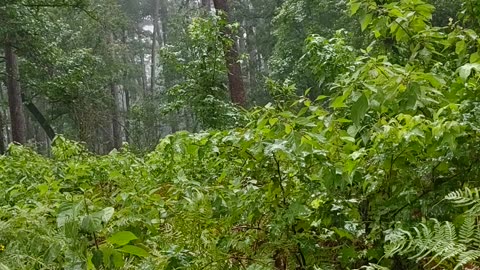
(200, 75)
(295, 22)
(446, 244)
(311, 183)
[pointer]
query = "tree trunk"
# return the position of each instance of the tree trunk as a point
(127, 111)
(164, 20)
(144, 75)
(154, 45)
(115, 109)
(116, 127)
(252, 52)
(206, 4)
(235, 80)
(3, 147)
(3, 125)
(125, 90)
(17, 116)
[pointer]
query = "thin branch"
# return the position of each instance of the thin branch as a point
(88, 213)
(392, 161)
(280, 179)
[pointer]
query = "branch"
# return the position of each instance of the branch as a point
(425, 192)
(280, 179)
(65, 5)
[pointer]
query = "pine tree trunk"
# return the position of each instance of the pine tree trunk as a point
(115, 109)
(3, 126)
(235, 80)
(164, 20)
(125, 90)
(252, 52)
(116, 127)
(154, 45)
(3, 147)
(127, 111)
(17, 116)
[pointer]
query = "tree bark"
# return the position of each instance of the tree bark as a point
(144, 75)
(235, 80)
(127, 112)
(206, 4)
(3, 126)
(252, 56)
(3, 147)
(164, 20)
(17, 116)
(126, 91)
(115, 109)
(116, 127)
(154, 45)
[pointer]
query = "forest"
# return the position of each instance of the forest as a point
(239, 134)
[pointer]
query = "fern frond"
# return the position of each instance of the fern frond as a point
(476, 238)
(439, 242)
(373, 266)
(467, 230)
(464, 197)
(396, 242)
(467, 257)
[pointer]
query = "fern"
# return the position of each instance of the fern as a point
(467, 230)
(372, 266)
(466, 197)
(438, 242)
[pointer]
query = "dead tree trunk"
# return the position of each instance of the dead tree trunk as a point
(40, 119)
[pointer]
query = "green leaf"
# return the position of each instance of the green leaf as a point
(339, 102)
(42, 188)
(354, 6)
(4, 267)
(347, 253)
(460, 47)
(475, 57)
(91, 224)
(344, 233)
(366, 20)
(107, 214)
(348, 139)
(121, 238)
(359, 109)
(134, 250)
(465, 70)
(97, 258)
(112, 258)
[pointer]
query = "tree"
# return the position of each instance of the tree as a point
(154, 45)
(2, 125)
(235, 80)
(206, 4)
(15, 104)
